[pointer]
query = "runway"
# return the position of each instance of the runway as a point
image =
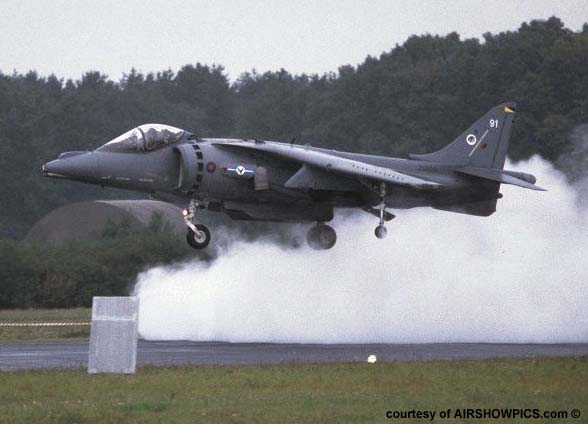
(74, 354)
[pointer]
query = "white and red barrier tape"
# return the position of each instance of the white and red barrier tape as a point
(43, 324)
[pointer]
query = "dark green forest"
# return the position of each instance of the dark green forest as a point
(414, 98)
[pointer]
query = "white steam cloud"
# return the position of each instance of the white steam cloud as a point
(520, 275)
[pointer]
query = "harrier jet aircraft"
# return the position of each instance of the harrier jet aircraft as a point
(263, 180)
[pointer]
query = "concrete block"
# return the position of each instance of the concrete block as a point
(114, 333)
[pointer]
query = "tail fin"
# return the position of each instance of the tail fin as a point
(483, 145)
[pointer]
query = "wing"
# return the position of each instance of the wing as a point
(332, 163)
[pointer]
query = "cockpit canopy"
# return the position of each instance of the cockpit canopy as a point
(143, 138)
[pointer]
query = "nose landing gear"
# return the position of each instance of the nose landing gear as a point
(321, 237)
(198, 236)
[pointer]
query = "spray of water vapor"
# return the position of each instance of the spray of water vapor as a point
(520, 275)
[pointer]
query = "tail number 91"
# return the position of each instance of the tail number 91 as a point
(494, 123)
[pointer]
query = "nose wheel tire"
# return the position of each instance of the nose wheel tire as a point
(381, 231)
(200, 239)
(321, 237)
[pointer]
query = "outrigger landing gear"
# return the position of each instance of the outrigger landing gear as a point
(381, 229)
(321, 237)
(198, 236)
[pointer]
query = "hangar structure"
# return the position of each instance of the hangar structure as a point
(87, 220)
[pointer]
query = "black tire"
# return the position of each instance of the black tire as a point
(321, 237)
(196, 243)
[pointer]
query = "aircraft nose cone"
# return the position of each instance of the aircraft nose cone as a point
(49, 167)
(78, 166)
(59, 168)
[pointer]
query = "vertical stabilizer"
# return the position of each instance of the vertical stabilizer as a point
(482, 145)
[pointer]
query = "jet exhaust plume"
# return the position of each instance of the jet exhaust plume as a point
(518, 276)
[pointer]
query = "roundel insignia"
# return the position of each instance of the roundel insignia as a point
(211, 167)
(471, 139)
(240, 170)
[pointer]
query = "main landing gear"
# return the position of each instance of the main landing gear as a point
(198, 236)
(321, 237)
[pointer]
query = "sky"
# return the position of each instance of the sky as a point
(68, 38)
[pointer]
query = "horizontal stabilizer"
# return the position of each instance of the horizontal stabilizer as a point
(503, 177)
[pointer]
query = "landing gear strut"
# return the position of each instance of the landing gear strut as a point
(321, 237)
(198, 236)
(381, 229)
